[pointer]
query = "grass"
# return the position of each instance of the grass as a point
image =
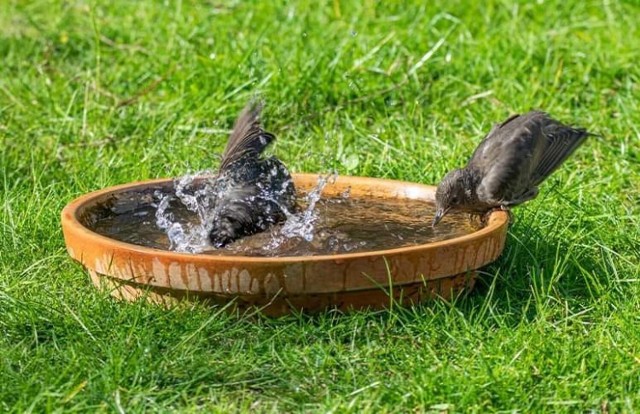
(96, 93)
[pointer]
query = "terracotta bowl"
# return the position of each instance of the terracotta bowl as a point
(277, 285)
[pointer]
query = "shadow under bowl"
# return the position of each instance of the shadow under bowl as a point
(278, 285)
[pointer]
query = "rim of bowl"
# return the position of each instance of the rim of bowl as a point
(71, 223)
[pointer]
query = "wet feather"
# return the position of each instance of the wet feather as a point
(252, 193)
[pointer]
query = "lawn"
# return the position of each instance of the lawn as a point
(97, 93)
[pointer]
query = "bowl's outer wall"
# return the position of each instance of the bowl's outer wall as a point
(288, 276)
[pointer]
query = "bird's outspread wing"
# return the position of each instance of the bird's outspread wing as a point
(247, 139)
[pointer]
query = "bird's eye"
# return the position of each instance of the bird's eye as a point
(454, 200)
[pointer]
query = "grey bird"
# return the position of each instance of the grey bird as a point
(508, 165)
(251, 193)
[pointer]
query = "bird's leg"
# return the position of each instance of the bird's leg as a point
(502, 207)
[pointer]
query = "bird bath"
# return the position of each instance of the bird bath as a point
(405, 270)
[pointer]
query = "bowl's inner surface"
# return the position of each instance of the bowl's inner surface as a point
(339, 223)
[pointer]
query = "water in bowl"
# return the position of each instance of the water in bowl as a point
(161, 219)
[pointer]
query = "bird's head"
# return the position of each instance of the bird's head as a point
(452, 192)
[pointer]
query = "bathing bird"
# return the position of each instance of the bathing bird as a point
(250, 193)
(508, 165)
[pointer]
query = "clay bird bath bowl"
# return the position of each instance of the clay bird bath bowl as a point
(277, 285)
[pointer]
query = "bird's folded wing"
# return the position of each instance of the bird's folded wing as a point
(500, 160)
(484, 149)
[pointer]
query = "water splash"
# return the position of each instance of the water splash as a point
(188, 237)
(303, 224)
(197, 193)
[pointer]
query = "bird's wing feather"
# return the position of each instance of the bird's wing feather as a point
(247, 139)
(561, 141)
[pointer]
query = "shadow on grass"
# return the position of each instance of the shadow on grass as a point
(538, 270)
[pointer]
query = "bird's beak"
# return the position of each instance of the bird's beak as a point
(439, 214)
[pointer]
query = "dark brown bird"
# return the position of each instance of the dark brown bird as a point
(508, 165)
(251, 193)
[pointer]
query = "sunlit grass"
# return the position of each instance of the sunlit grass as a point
(99, 94)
